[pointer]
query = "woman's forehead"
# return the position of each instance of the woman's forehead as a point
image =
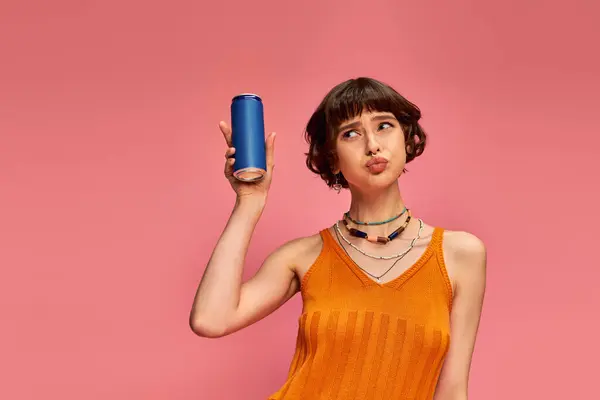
(369, 116)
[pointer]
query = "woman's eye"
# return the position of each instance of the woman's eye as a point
(352, 133)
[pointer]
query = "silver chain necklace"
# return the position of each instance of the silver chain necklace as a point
(378, 278)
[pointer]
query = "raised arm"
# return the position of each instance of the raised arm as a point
(223, 304)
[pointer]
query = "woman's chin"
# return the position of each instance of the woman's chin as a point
(376, 182)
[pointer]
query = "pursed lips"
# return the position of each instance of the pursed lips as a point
(376, 160)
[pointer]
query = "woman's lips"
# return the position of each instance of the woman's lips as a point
(377, 165)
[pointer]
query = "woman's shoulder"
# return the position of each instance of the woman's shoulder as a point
(465, 257)
(302, 250)
(462, 243)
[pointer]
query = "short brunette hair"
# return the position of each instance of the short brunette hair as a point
(346, 101)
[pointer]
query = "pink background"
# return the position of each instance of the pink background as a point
(112, 194)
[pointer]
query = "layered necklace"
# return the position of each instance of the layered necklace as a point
(377, 239)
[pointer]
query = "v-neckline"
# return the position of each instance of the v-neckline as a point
(397, 281)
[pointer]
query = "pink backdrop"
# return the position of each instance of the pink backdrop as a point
(112, 193)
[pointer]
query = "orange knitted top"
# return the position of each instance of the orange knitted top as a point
(358, 339)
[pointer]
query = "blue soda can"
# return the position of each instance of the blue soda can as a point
(248, 137)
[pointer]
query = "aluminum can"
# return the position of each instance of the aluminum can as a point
(248, 137)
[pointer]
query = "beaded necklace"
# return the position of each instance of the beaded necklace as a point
(402, 254)
(377, 239)
(347, 215)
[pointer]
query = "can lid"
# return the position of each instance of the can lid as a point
(253, 95)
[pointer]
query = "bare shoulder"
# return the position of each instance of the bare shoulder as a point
(463, 245)
(465, 255)
(299, 253)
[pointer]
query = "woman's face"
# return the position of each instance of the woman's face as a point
(371, 150)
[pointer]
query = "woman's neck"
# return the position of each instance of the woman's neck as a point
(375, 207)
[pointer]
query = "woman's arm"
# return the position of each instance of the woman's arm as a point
(223, 304)
(465, 257)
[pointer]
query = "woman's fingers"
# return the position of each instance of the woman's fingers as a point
(226, 131)
(270, 151)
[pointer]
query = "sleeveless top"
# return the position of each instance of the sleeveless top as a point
(359, 339)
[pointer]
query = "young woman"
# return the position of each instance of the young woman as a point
(391, 305)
